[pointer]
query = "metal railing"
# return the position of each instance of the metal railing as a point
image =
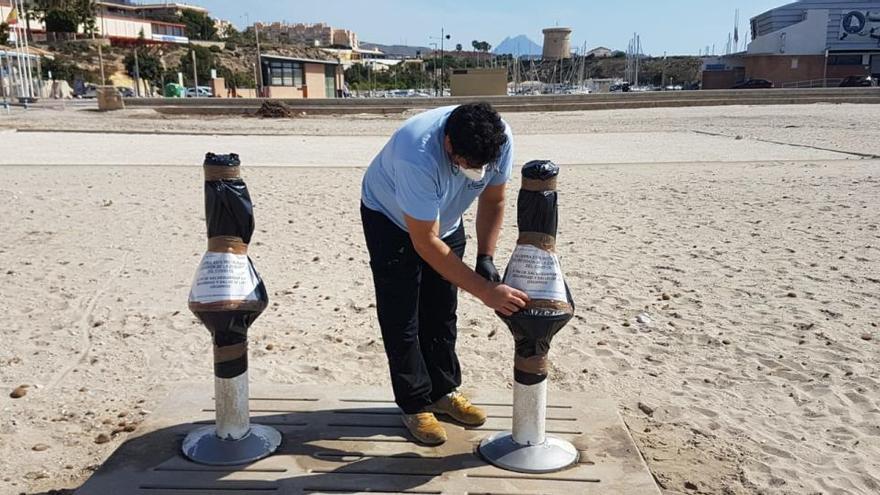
(813, 83)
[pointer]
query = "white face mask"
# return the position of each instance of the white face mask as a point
(474, 174)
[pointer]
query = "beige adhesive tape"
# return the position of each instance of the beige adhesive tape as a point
(229, 352)
(536, 365)
(227, 306)
(227, 244)
(538, 185)
(551, 305)
(537, 239)
(214, 173)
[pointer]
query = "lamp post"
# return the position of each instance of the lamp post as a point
(259, 61)
(195, 73)
(258, 67)
(443, 37)
(434, 68)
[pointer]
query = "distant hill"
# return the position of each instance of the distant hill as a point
(402, 51)
(519, 45)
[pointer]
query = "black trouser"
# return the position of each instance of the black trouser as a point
(416, 308)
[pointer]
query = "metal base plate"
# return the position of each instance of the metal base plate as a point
(551, 456)
(202, 445)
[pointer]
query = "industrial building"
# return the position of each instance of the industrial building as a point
(478, 82)
(808, 43)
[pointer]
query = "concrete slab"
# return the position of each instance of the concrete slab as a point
(350, 440)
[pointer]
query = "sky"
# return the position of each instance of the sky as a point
(676, 27)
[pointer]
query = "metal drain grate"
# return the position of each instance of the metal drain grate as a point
(358, 445)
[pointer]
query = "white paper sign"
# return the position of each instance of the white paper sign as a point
(537, 273)
(224, 277)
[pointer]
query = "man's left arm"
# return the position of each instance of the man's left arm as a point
(490, 216)
(490, 213)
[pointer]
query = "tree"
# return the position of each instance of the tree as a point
(63, 16)
(63, 69)
(86, 12)
(60, 21)
(357, 76)
(237, 79)
(229, 33)
(29, 14)
(205, 61)
(149, 65)
(199, 26)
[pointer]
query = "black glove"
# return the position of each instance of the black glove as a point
(486, 268)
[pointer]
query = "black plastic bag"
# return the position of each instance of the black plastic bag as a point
(228, 294)
(228, 207)
(534, 268)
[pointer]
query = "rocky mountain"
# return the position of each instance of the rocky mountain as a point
(518, 45)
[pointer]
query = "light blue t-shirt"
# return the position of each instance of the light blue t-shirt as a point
(414, 175)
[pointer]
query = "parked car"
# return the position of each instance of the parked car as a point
(87, 91)
(203, 92)
(622, 87)
(754, 84)
(858, 82)
(125, 92)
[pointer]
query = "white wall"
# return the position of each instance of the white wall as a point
(804, 38)
(106, 26)
(122, 28)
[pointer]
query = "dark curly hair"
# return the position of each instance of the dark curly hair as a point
(476, 133)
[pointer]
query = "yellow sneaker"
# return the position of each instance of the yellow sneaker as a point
(425, 428)
(459, 408)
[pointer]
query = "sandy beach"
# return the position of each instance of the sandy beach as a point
(725, 262)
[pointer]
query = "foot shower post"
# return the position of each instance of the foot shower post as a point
(534, 268)
(227, 296)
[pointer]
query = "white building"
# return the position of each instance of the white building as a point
(124, 21)
(600, 52)
(806, 43)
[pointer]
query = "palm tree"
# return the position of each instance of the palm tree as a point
(476, 45)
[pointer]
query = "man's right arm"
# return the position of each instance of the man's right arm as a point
(426, 240)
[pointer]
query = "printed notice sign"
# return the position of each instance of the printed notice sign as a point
(224, 277)
(537, 273)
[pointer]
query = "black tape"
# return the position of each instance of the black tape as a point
(537, 212)
(231, 369)
(524, 378)
(229, 327)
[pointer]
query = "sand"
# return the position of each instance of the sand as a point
(727, 296)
